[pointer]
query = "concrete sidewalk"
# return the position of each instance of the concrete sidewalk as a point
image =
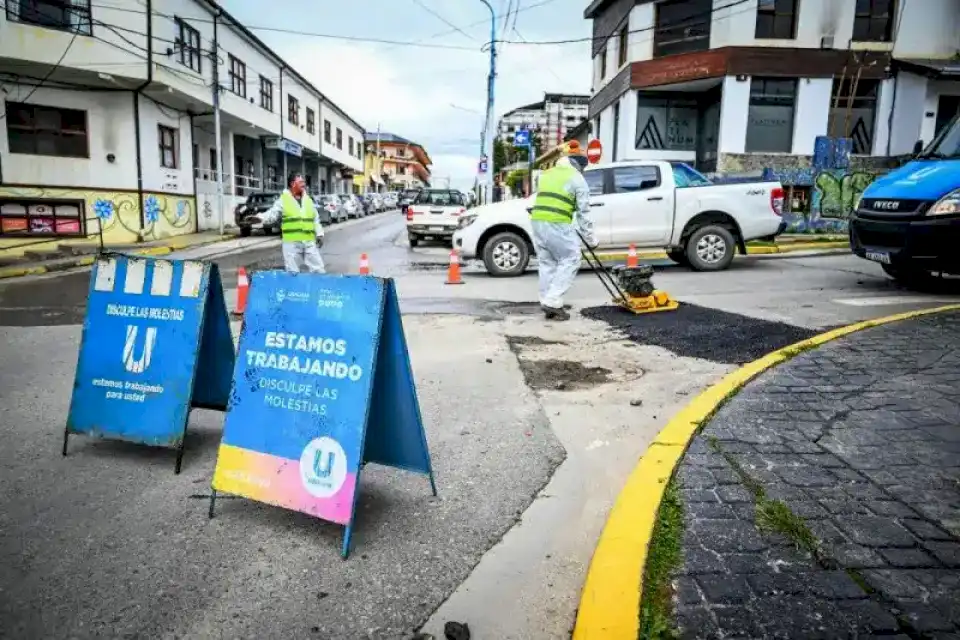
(823, 500)
(19, 263)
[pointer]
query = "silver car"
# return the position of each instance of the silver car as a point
(349, 206)
(332, 204)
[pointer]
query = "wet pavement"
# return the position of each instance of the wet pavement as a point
(823, 501)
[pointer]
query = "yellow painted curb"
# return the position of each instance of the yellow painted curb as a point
(751, 250)
(610, 601)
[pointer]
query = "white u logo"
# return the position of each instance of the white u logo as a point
(138, 365)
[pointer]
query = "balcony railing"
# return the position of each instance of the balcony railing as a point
(235, 184)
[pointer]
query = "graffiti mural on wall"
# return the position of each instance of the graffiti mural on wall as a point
(833, 194)
(117, 213)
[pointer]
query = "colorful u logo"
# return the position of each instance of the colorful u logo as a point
(130, 362)
(321, 467)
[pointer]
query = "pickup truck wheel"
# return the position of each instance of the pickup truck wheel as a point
(506, 255)
(679, 257)
(245, 232)
(711, 248)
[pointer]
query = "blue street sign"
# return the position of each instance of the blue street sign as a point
(322, 385)
(156, 342)
(482, 168)
(521, 138)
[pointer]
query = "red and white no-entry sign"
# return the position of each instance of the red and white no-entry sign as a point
(594, 151)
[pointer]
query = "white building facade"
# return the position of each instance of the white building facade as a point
(735, 87)
(109, 120)
(551, 118)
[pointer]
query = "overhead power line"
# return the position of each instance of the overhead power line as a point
(439, 17)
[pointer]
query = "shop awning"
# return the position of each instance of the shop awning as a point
(946, 69)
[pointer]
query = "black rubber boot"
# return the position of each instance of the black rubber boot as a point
(552, 313)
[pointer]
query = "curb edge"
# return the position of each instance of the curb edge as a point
(87, 260)
(613, 589)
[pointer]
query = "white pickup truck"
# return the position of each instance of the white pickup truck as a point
(649, 204)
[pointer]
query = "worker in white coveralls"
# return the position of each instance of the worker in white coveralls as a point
(300, 228)
(560, 210)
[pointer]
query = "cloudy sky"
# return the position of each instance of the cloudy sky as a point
(433, 94)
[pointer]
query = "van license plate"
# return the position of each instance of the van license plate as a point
(877, 256)
(436, 228)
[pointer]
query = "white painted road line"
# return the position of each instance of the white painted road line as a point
(881, 301)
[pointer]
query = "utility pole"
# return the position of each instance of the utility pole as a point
(378, 165)
(491, 80)
(214, 61)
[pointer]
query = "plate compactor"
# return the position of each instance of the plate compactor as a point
(631, 287)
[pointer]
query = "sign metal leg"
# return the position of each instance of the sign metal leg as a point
(345, 550)
(66, 436)
(179, 456)
(433, 485)
(213, 502)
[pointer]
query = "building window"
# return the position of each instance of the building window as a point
(46, 131)
(311, 121)
(873, 21)
(855, 113)
(770, 116)
(169, 147)
(682, 26)
(603, 63)
(293, 110)
(65, 15)
(326, 131)
(20, 217)
(238, 77)
(266, 94)
(623, 43)
(339, 139)
(350, 145)
(776, 19)
(616, 131)
(664, 124)
(188, 41)
(213, 159)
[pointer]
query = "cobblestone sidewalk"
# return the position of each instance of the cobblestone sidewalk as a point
(823, 501)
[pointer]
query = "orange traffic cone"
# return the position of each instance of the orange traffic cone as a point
(243, 288)
(364, 265)
(632, 257)
(453, 271)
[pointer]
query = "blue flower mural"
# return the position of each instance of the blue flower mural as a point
(181, 209)
(151, 208)
(103, 209)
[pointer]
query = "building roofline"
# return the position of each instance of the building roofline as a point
(219, 10)
(527, 107)
(373, 138)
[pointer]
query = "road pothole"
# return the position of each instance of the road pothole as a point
(562, 375)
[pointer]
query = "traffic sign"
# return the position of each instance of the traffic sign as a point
(594, 151)
(521, 138)
(322, 386)
(482, 167)
(156, 344)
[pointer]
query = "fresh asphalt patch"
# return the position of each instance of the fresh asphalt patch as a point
(693, 331)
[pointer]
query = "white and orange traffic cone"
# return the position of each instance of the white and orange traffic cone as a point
(243, 288)
(632, 257)
(364, 265)
(453, 270)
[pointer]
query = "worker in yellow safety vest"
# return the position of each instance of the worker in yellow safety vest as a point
(300, 228)
(560, 210)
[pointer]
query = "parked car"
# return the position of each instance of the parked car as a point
(331, 203)
(390, 200)
(349, 206)
(378, 204)
(908, 221)
(434, 214)
(358, 202)
(648, 204)
(367, 204)
(256, 203)
(405, 198)
(326, 216)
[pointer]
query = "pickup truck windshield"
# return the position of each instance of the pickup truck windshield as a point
(685, 176)
(947, 144)
(439, 198)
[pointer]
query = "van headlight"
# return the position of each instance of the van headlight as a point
(947, 205)
(466, 221)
